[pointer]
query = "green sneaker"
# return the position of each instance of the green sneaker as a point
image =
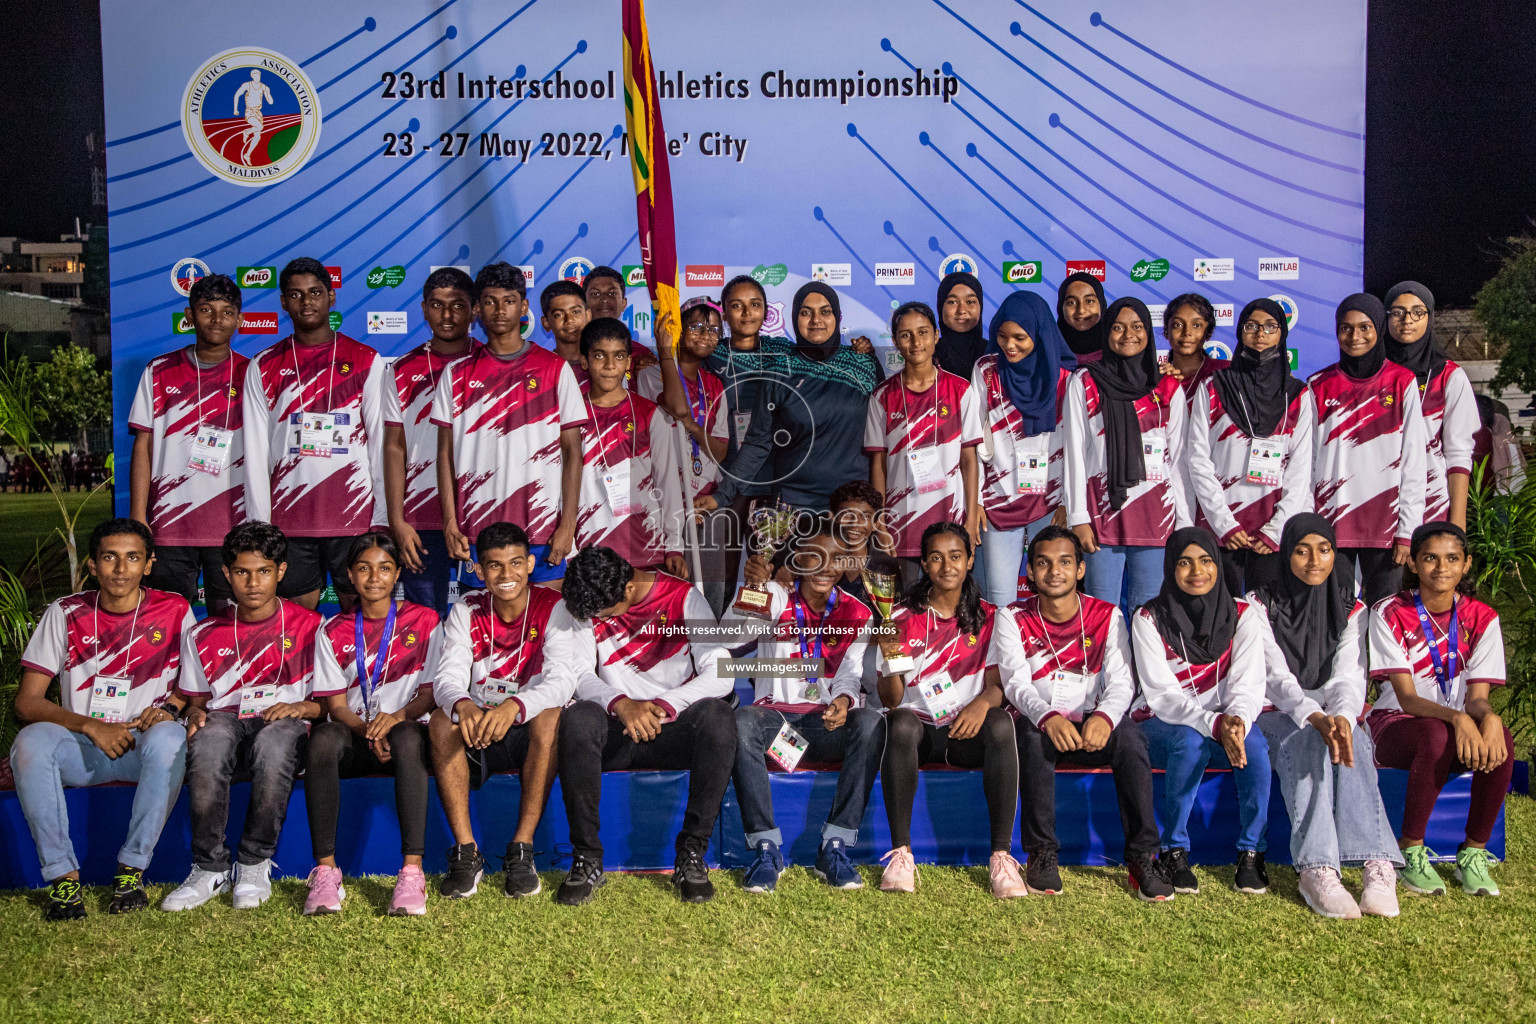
(1472, 872)
(1418, 874)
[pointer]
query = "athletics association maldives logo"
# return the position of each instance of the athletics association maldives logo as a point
(251, 116)
(957, 263)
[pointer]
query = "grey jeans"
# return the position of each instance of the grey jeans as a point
(272, 753)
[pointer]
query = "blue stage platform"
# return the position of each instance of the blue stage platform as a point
(643, 810)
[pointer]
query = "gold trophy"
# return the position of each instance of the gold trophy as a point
(771, 528)
(881, 588)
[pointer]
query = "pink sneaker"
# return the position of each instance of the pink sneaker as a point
(1326, 895)
(1006, 883)
(1379, 897)
(410, 898)
(901, 873)
(325, 891)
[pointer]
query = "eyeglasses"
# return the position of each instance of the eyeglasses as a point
(1253, 327)
(704, 330)
(1398, 314)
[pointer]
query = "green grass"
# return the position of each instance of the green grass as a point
(949, 953)
(30, 521)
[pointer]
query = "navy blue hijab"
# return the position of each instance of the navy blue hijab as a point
(1030, 383)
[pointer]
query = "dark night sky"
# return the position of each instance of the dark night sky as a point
(1450, 115)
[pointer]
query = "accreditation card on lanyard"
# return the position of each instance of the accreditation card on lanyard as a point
(370, 685)
(937, 689)
(256, 698)
(1266, 456)
(924, 462)
(1447, 668)
(1034, 468)
(814, 648)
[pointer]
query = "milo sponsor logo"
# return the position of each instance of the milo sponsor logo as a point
(1149, 270)
(770, 275)
(1022, 272)
(256, 277)
(386, 277)
(181, 323)
(634, 277)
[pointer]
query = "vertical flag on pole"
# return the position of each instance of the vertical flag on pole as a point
(648, 161)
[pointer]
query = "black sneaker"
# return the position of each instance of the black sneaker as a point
(66, 900)
(1251, 877)
(127, 893)
(1175, 865)
(582, 883)
(465, 869)
(691, 877)
(1149, 879)
(522, 876)
(1040, 874)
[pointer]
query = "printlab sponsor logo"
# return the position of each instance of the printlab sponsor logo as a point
(634, 277)
(386, 277)
(576, 269)
(770, 274)
(891, 274)
(1279, 268)
(258, 323)
(704, 275)
(1149, 270)
(832, 273)
(387, 322)
(1093, 268)
(181, 323)
(250, 116)
(1291, 310)
(957, 263)
(335, 273)
(1226, 313)
(527, 277)
(1023, 272)
(256, 277)
(186, 273)
(1212, 269)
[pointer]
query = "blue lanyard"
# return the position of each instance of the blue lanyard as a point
(369, 686)
(1445, 671)
(814, 648)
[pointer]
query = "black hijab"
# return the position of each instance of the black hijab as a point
(958, 351)
(1258, 388)
(1198, 629)
(1307, 620)
(1423, 357)
(828, 348)
(1122, 381)
(1369, 365)
(1091, 340)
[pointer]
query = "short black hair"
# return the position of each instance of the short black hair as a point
(303, 265)
(1202, 306)
(502, 535)
(123, 527)
(214, 288)
(447, 277)
(264, 539)
(499, 275)
(599, 272)
(1421, 536)
(922, 309)
(595, 579)
(737, 282)
(556, 289)
(605, 328)
(380, 539)
(856, 490)
(1054, 532)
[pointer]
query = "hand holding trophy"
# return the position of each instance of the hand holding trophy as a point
(881, 588)
(771, 529)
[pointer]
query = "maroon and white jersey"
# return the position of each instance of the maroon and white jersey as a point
(922, 435)
(176, 398)
(77, 641)
(644, 654)
(942, 652)
(1451, 422)
(1176, 692)
(1076, 669)
(1398, 645)
(409, 389)
(1368, 462)
(706, 403)
(221, 654)
(507, 413)
(338, 489)
(1195, 384)
(488, 661)
(1009, 488)
(1342, 693)
(408, 664)
(839, 634)
(620, 441)
(1237, 482)
(1153, 509)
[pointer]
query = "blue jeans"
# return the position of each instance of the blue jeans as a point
(1000, 562)
(1337, 816)
(272, 752)
(47, 757)
(430, 586)
(859, 745)
(1126, 576)
(1183, 754)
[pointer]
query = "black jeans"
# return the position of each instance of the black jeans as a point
(1126, 755)
(701, 740)
(336, 753)
(911, 742)
(272, 753)
(1380, 576)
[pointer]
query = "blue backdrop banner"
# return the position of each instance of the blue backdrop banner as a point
(1165, 147)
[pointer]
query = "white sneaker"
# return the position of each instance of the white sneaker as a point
(253, 884)
(200, 887)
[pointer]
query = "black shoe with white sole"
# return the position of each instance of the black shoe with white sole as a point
(522, 877)
(1149, 879)
(1175, 864)
(1251, 877)
(465, 869)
